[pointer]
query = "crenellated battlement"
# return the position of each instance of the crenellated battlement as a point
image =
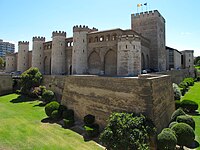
(38, 38)
(59, 33)
(93, 29)
(154, 13)
(23, 42)
(81, 28)
(128, 37)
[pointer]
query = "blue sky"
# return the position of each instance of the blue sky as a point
(23, 19)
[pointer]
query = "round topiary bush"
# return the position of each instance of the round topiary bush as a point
(177, 92)
(68, 123)
(50, 107)
(186, 119)
(48, 96)
(62, 108)
(189, 106)
(177, 113)
(166, 140)
(184, 133)
(68, 114)
(89, 119)
(55, 115)
(172, 124)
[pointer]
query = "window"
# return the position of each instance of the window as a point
(126, 46)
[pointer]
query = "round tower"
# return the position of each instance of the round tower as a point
(58, 54)
(22, 60)
(79, 53)
(38, 53)
(129, 55)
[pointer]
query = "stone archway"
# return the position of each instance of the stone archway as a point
(143, 62)
(110, 63)
(94, 63)
(47, 65)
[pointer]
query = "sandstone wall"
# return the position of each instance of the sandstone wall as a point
(177, 75)
(100, 96)
(54, 83)
(5, 84)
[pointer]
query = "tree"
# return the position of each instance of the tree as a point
(29, 79)
(126, 131)
(196, 60)
(1, 63)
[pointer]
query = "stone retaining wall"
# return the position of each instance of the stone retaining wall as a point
(5, 84)
(100, 96)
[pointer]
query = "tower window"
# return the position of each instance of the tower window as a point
(126, 46)
(40, 47)
(83, 51)
(83, 40)
(61, 44)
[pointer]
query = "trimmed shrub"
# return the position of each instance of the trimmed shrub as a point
(68, 123)
(184, 87)
(89, 119)
(177, 104)
(184, 133)
(92, 130)
(189, 106)
(42, 89)
(172, 124)
(55, 115)
(186, 119)
(61, 109)
(68, 114)
(189, 81)
(177, 113)
(177, 92)
(50, 107)
(166, 140)
(48, 96)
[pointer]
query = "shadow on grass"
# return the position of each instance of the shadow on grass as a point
(21, 99)
(194, 145)
(48, 120)
(40, 105)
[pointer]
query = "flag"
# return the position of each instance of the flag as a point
(139, 5)
(145, 4)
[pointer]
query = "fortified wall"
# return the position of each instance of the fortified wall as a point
(100, 96)
(5, 84)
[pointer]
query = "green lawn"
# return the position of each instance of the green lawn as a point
(21, 128)
(194, 95)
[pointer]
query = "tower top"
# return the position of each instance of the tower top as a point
(38, 38)
(23, 42)
(59, 33)
(81, 28)
(148, 14)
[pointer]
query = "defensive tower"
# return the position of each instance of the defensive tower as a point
(23, 61)
(152, 26)
(79, 53)
(38, 53)
(129, 55)
(58, 54)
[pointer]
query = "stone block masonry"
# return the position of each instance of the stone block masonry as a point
(5, 84)
(100, 96)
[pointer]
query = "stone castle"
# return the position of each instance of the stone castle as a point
(113, 52)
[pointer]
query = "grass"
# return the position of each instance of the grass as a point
(194, 95)
(21, 128)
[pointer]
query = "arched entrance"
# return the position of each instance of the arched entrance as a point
(110, 63)
(143, 62)
(47, 65)
(94, 63)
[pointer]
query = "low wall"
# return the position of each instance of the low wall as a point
(100, 96)
(177, 75)
(54, 83)
(6, 84)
